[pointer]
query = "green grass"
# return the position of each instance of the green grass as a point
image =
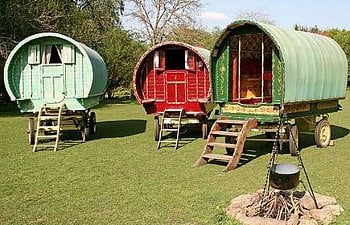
(119, 177)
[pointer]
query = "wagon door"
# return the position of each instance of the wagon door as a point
(52, 75)
(176, 86)
(175, 76)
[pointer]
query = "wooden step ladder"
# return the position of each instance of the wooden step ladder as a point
(169, 115)
(238, 132)
(48, 126)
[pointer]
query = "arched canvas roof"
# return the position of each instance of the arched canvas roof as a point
(98, 66)
(204, 54)
(314, 67)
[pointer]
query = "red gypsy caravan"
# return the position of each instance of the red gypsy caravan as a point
(172, 80)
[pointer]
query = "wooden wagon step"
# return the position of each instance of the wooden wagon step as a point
(49, 128)
(168, 115)
(236, 122)
(225, 133)
(47, 136)
(170, 129)
(224, 145)
(55, 114)
(218, 156)
(221, 128)
(46, 117)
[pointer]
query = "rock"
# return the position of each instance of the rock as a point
(294, 219)
(240, 203)
(240, 207)
(308, 222)
(308, 203)
(324, 215)
(258, 220)
(334, 209)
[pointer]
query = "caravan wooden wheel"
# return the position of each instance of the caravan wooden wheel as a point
(92, 123)
(323, 133)
(156, 128)
(293, 140)
(31, 131)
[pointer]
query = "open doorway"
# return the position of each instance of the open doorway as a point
(175, 59)
(251, 56)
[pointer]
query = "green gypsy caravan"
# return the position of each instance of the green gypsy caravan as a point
(262, 74)
(59, 79)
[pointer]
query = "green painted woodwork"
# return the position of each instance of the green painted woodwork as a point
(32, 79)
(277, 83)
(220, 67)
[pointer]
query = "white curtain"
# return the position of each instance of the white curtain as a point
(47, 55)
(156, 59)
(186, 60)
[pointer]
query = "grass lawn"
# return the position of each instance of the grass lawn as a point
(119, 177)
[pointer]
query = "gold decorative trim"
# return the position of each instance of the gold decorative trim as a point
(261, 110)
(303, 107)
(327, 105)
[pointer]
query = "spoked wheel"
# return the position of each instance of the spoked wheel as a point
(293, 137)
(156, 128)
(84, 129)
(31, 131)
(323, 133)
(84, 133)
(92, 123)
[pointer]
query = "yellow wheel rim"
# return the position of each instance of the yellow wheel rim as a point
(325, 134)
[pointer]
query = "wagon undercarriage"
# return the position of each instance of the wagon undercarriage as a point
(232, 135)
(45, 131)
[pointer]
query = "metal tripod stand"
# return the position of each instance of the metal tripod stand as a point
(277, 146)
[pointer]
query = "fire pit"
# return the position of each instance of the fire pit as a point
(283, 207)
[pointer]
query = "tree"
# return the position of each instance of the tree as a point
(342, 37)
(93, 22)
(121, 54)
(255, 15)
(157, 17)
(20, 19)
(194, 36)
(313, 29)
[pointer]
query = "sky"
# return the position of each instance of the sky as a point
(286, 13)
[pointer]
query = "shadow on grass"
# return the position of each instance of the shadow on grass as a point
(255, 149)
(188, 134)
(106, 129)
(252, 150)
(115, 101)
(120, 128)
(13, 113)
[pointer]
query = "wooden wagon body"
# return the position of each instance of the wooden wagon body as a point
(264, 72)
(59, 79)
(273, 81)
(52, 68)
(174, 76)
(257, 69)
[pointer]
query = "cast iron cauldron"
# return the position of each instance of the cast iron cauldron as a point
(284, 176)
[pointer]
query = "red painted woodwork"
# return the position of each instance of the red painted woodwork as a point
(159, 88)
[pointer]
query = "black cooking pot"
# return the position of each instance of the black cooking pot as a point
(284, 176)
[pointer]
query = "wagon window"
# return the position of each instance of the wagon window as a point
(189, 60)
(68, 54)
(34, 54)
(175, 59)
(159, 59)
(52, 54)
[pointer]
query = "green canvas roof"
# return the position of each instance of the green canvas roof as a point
(314, 67)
